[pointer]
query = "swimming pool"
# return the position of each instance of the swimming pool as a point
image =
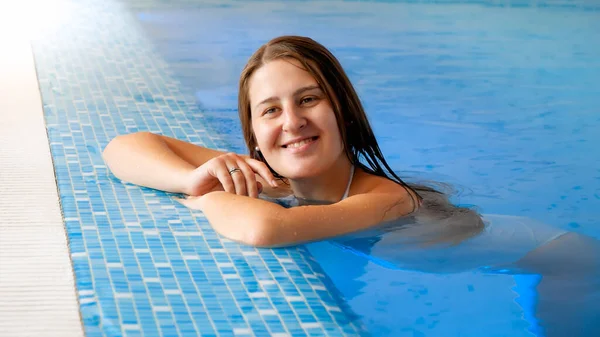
(505, 113)
(499, 101)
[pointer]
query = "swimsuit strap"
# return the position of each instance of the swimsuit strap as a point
(349, 182)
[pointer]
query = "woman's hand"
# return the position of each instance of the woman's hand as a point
(230, 173)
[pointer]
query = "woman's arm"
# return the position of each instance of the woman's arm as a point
(260, 223)
(172, 165)
(155, 161)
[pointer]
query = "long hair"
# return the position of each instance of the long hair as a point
(360, 144)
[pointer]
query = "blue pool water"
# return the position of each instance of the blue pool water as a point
(499, 101)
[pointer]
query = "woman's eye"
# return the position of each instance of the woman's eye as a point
(269, 111)
(306, 100)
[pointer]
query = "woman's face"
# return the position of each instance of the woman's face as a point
(293, 121)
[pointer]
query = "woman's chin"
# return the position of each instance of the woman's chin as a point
(299, 172)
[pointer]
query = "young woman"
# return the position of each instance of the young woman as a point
(315, 171)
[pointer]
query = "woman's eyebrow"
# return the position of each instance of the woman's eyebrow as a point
(307, 88)
(296, 93)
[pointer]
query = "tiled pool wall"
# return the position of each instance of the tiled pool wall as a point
(145, 265)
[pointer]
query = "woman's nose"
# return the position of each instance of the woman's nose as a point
(293, 119)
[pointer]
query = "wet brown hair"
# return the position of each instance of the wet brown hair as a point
(355, 130)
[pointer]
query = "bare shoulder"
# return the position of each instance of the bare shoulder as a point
(373, 200)
(365, 183)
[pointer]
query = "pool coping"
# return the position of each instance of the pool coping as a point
(36, 275)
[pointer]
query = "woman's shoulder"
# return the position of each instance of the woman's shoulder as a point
(366, 182)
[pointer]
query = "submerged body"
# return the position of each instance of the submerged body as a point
(564, 266)
(409, 243)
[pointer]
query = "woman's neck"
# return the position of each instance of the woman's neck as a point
(329, 186)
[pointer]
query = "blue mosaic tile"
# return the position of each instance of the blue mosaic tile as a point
(145, 265)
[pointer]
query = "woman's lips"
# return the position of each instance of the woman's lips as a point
(301, 145)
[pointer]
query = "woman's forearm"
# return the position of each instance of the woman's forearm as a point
(146, 159)
(260, 223)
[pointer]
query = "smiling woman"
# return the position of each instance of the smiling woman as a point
(315, 171)
(304, 124)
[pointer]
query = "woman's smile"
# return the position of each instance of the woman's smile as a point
(300, 145)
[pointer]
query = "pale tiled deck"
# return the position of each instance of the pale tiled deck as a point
(37, 293)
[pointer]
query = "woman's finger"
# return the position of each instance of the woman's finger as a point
(221, 171)
(262, 170)
(250, 177)
(237, 175)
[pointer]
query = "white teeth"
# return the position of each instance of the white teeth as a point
(300, 143)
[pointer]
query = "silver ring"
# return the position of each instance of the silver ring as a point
(234, 170)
